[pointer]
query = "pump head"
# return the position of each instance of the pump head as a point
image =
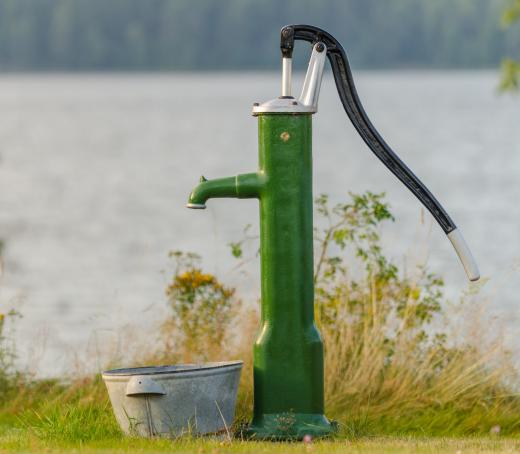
(325, 45)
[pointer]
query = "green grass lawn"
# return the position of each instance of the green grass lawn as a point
(91, 428)
(22, 440)
(49, 417)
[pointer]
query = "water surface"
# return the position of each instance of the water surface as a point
(95, 171)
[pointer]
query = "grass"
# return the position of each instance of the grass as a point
(377, 445)
(79, 425)
(394, 380)
(48, 416)
(78, 418)
(88, 428)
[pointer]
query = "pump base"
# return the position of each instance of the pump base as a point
(289, 426)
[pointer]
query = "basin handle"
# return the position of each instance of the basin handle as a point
(141, 385)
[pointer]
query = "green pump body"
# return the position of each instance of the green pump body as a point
(288, 353)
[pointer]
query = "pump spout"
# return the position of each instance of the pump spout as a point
(244, 186)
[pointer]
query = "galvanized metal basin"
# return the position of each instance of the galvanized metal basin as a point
(173, 400)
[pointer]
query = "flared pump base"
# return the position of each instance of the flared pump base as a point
(289, 426)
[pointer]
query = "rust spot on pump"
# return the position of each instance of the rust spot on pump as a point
(285, 136)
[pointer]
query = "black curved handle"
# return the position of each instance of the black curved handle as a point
(355, 111)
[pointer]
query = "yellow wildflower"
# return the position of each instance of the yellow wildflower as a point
(416, 293)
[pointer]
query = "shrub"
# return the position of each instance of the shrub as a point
(203, 310)
(8, 373)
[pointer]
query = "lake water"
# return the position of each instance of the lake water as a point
(95, 171)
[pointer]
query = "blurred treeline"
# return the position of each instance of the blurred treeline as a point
(234, 34)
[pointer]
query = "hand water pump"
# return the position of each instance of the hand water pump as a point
(288, 354)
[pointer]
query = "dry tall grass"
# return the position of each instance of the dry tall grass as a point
(459, 389)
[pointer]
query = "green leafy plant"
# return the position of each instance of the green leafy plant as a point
(510, 70)
(380, 293)
(238, 246)
(510, 75)
(8, 373)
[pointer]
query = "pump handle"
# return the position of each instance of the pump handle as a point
(355, 111)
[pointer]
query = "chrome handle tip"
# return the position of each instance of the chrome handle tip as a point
(465, 256)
